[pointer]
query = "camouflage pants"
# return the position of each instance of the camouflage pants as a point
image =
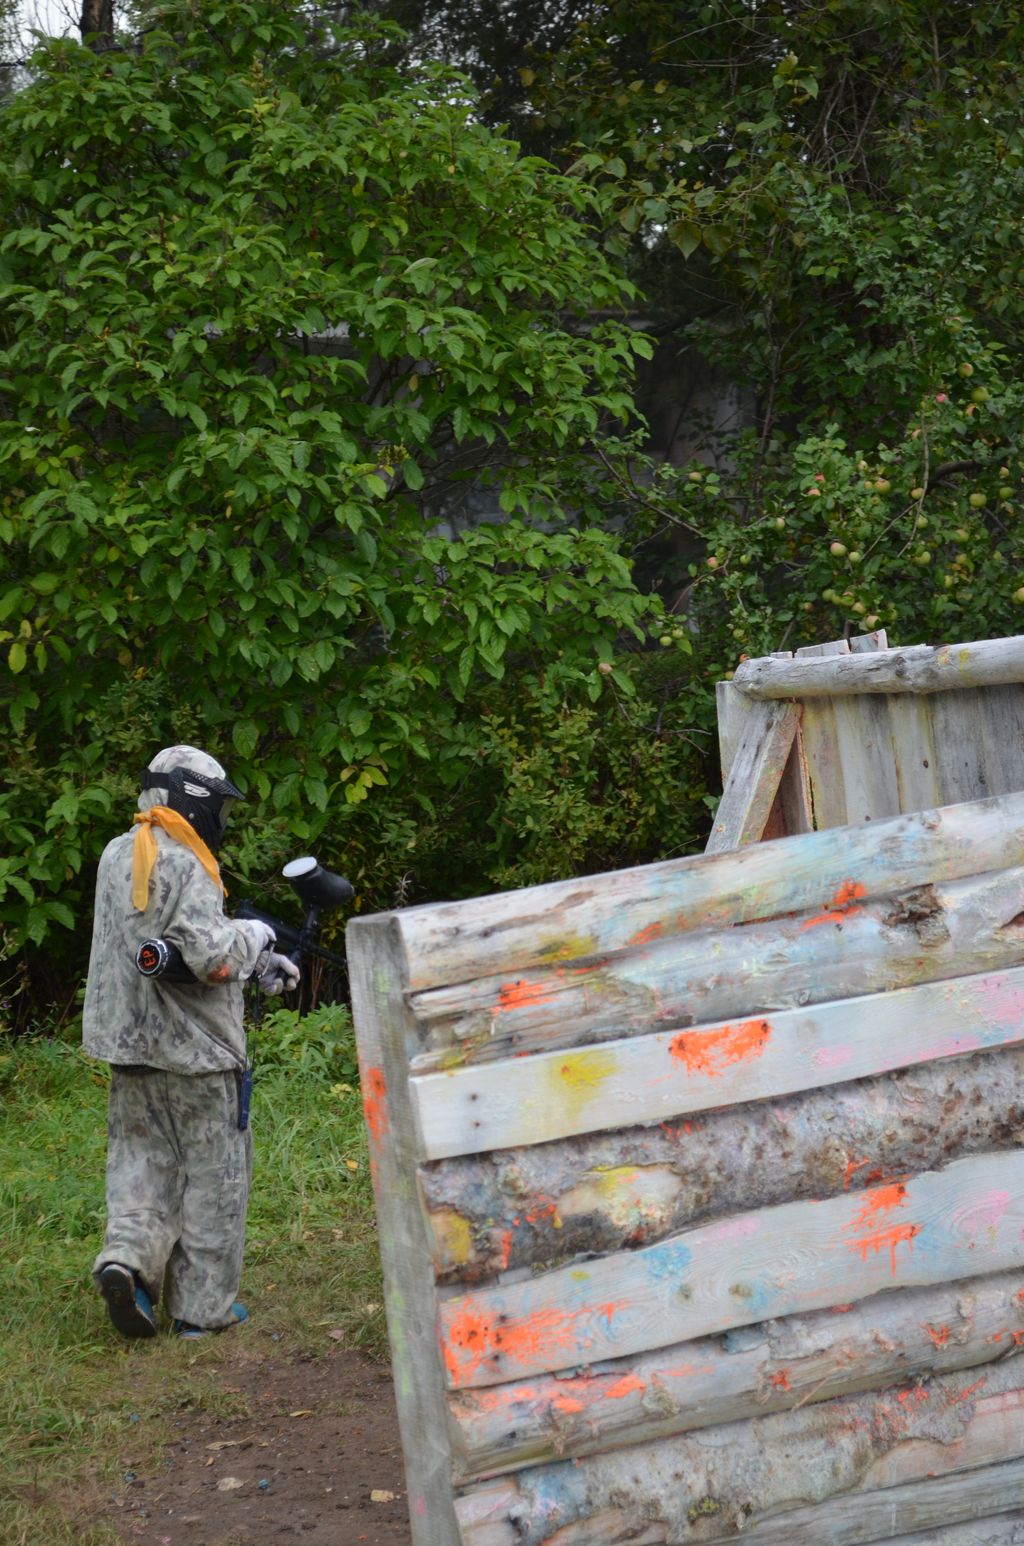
(178, 1174)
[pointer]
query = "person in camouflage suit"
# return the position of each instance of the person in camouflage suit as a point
(178, 1164)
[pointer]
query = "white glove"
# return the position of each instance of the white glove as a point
(280, 975)
(262, 936)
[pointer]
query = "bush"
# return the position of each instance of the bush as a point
(267, 311)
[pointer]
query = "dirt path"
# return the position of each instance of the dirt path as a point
(315, 1460)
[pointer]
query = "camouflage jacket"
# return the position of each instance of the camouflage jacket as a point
(183, 1027)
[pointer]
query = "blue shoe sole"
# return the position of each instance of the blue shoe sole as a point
(190, 1333)
(122, 1296)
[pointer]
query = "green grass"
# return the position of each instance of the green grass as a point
(76, 1396)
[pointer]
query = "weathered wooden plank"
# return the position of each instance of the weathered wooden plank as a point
(958, 733)
(772, 1367)
(793, 812)
(872, 1517)
(993, 1530)
(925, 934)
(756, 774)
(821, 746)
(733, 709)
(861, 643)
(383, 1029)
(857, 1469)
(525, 1208)
(1003, 711)
(917, 768)
(868, 758)
(916, 668)
(824, 765)
(660, 1077)
(958, 1222)
(856, 1521)
(570, 921)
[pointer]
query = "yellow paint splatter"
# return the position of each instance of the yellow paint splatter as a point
(631, 1197)
(453, 1238)
(576, 1078)
(569, 947)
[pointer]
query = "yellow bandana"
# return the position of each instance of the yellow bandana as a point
(144, 856)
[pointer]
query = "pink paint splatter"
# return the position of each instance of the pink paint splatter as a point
(952, 1046)
(733, 1229)
(832, 1057)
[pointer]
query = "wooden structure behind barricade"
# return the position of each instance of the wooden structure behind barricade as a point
(700, 1186)
(853, 731)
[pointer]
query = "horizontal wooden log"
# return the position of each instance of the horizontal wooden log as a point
(871, 1517)
(861, 1520)
(993, 1530)
(923, 935)
(767, 1368)
(671, 1074)
(576, 920)
(839, 1468)
(524, 1208)
(963, 1221)
(917, 668)
(757, 771)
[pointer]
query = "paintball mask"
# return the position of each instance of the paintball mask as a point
(203, 796)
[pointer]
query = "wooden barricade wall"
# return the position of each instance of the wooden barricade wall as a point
(700, 1193)
(853, 731)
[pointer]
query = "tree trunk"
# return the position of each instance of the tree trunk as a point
(97, 24)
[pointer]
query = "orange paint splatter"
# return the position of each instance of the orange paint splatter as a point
(710, 1052)
(851, 1167)
(840, 906)
(626, 1386)
(644, 936)
(841, 1309)
(877, 1235)
(568, 1406)
(375, 1103)
(523, 995)
(547, 1210)
(504, 1249)
(475, 1337)
(954, 1399)
(219, 974)
(469, 1343)
(1018, 1338)
(780, 1379)
(878, 1202)
(938, 1334)
(886, 1239)
(916, 1396)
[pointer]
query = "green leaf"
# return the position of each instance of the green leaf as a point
(686, 235)
(245, 737)
(16, 656)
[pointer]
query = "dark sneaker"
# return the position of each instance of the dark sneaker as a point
(129, 1306)
(239, 1314)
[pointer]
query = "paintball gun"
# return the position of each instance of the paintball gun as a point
(319, 890)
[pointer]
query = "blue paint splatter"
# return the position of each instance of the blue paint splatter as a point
(668, 1262)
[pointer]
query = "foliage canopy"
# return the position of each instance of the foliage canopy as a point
(264, 322)
(824, 202)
